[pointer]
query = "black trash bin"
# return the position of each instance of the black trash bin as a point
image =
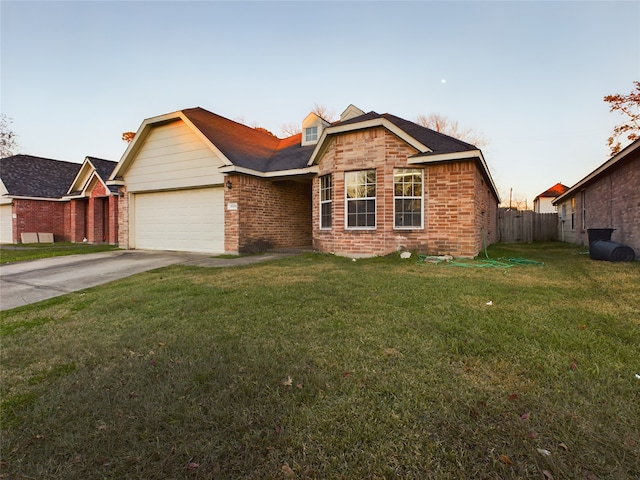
(596, 234)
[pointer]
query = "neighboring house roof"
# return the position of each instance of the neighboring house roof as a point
(103, 167)
(625, 155)
(92, 167)
(555, 191)
(36, 177)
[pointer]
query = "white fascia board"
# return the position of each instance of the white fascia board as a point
(279, 173)
(452, 157)
(142, 134)
(83, 188)
(445, 157)
(81, 173)
(375, 122)
(319, 146)
(605, 166)
(46, 199)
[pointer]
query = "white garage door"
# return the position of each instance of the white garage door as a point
(182, 220)
(6, 224)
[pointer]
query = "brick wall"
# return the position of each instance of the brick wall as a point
(455, 195)
(271, 214)
(44, 216)
(122, 215)
(94, 217)
(78, 213)
(612, 201)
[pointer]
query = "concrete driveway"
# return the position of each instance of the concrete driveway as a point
(23, 283)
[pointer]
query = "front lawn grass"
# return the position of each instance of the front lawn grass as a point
(322, 367)
(34, 251)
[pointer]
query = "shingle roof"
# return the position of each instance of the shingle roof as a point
(555, 191)
(438, 142)
(103, 167)
(249, 147)
(28, 176)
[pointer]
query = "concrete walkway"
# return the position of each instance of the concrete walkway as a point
(23, 283)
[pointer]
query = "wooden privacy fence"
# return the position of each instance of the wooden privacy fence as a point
(526, 226)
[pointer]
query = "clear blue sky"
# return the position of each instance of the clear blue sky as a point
(529, 76)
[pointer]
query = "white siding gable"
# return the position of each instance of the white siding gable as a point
(3, 192)
(173, 156)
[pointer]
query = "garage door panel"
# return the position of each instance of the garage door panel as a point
(184, 220)
(6, 224)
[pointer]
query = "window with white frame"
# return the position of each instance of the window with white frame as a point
(573, 213)
(326, 198)
(407, 197)
(311, 134)
(360, 192)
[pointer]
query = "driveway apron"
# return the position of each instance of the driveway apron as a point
(23, 283)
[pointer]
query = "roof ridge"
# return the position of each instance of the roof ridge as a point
(457, 140)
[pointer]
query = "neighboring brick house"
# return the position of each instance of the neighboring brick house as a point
(34, 196)
(543, 203)
(368, 184)
(93, 205)
(608, 197)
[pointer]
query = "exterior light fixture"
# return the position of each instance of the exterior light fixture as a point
(229, 185)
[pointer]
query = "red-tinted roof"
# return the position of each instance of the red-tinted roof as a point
(249, 147)
(555, 191)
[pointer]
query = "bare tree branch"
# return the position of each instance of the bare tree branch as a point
(443, 124)
(8, 138)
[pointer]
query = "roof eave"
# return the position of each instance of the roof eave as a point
(375, 122)
(294, 172)
(27, 197)
(457, 156)
(598, 171)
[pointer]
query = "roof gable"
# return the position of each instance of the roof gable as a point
(240, 147)
(555, 191)
(92, 168)
(432, 146)
(350, 112)
(37, 177)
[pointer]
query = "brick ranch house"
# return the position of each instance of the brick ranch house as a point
(369, 184)
(69, 200)
(608, 197)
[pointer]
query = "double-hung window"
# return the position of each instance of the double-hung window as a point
(360, 188)
(407, 196)
(326, 197)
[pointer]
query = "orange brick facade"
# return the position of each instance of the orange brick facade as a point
(94, 218)
(41, 216)
(460, 212)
